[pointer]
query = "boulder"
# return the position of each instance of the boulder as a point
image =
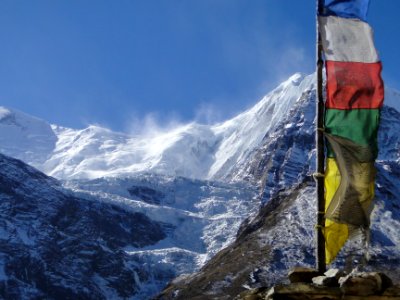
(301, 291)
(325, 281)
(386, 281)
(336, 273)
(301, 274)
(361, 284)
(254, 294)
(392, 291)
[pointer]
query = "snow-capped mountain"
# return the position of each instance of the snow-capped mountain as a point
(215, 152)
(192, 150)
(25, 137)
(197, 184)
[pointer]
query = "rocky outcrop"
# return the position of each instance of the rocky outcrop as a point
(248, 262)
(54, 245)
(355, 286)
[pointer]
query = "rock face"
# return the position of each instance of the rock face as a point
(252, 260)
(286, 155)
(56, 245)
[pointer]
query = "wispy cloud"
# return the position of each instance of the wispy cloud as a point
(208, 113)
(293, 59)
(152, 124)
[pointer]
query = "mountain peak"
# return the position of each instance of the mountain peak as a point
(25, 137)
(297, 78)
(4, 113)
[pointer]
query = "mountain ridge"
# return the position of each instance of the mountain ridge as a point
(192, 150)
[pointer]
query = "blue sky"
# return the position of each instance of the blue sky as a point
(116, 63)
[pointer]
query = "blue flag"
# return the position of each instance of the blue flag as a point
(352, 9)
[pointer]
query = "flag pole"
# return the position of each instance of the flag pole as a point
(320, 155)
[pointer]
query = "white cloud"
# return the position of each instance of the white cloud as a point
(152, 124)
(208, 113)
(291, 60)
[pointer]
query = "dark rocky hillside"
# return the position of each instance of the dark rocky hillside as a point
(54, 245)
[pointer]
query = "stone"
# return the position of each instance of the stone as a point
(386, 281)
(253, 294)
(394, 290)
(301, 274)
(297, 291)
(325, 281)
(361, 284)
(301, 291)
(334, 273)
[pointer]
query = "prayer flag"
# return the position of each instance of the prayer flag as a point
(354, 9)
(354, 97)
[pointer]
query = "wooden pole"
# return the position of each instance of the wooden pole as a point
(320, 157)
